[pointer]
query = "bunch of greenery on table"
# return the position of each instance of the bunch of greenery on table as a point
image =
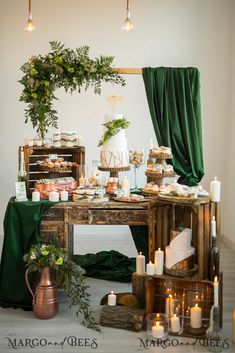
(71, 277)
(62, 67)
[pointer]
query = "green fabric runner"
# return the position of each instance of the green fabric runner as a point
(174, 102)
(109, 265)
(21, 230)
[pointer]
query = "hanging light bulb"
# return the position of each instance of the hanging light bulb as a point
(29, 26)
(127, 24)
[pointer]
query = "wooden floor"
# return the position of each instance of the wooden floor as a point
(17, 325)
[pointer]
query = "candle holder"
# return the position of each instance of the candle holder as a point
(195, 320)
(176, 319)
(157, 326)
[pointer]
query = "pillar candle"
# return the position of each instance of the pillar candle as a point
(196, 316)
(64, 195)
(159, 260)
(158, 330)
(215, 190)
(233, 338)
(175, 323)
(54, 196)
(213, 227)
(35, 196)
(112, 299)
(169, 306)
(216, 291)
(126, 184)
(150, 268)
(140, 264)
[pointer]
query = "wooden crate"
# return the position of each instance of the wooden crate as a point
(34, 154)
(168, 216)
(158, 289)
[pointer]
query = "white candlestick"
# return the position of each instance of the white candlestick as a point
(35, 196)
(82, 181)
(140, 264)
(216, 291)
(112, 299)
(159, 260)
(64, 195)
(126, 185)
(213, 227)
(54, 196)
(175, 323)
(158, 330)
(196, 316)
(151, 144)
(150, 268)
(169, 306)
(215, 186)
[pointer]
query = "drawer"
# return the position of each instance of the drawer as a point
(128, 217)
(78, 216)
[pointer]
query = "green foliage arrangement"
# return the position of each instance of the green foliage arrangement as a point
(62, 67)
(112, 128)
(71, 277)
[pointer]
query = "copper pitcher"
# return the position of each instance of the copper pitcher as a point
(45, 300)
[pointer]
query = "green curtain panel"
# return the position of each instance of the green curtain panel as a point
(173, 96)
(21, 230)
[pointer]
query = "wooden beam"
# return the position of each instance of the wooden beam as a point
(129, 70)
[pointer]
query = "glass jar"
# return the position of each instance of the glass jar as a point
(157, 326)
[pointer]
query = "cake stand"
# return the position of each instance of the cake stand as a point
(114, 171)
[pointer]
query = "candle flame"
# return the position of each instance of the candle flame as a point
(111, 291)
(141, 253)
(213, 218)
(158, 315)
(158, 323)
(196, 304)
(159, 249)
(216, 279)
(170, 296)
(174, 315)
(215, 177)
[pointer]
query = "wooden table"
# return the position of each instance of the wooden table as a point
(58, 222)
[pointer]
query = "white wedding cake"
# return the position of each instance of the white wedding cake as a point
(179, 249)
(114, 152)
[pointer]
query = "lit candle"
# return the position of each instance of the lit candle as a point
(216, 291)
(175, 323)
(213, 227)
(140, 264)
(215, 190)
(82, 181)
(158, 330)
(35, 196)
(169, 306)
(54, 196)
(112, 299)
(158, 260)
(196, 316)
(151, 144)
(64, 195)
(126, 185)
(150, 268)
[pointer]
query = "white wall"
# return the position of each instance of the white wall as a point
(167, 33)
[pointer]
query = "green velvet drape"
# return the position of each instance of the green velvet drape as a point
(174, 102)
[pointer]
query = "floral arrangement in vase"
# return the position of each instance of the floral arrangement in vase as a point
(69, 275)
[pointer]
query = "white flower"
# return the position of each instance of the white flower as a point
(33, 256)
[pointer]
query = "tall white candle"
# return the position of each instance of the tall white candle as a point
(112, 299)
(216, 291)
(140, 264)
(196, 316)
(213, 227)
(169, 306)
(215, 186)
(82, 181)
(54, 196)
(35, 196)
(150, 268)
(175, 323)
(64, 195)
(159, 260)
(158, 330)
(126, 185)
(151, 144)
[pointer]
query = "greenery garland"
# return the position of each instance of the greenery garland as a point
(112, 128)
(62, 67)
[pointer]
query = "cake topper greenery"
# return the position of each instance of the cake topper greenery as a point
(112, 128)
(61, 67)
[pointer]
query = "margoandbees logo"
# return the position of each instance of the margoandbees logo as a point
(35, 342)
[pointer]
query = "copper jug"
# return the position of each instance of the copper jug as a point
(45, 300)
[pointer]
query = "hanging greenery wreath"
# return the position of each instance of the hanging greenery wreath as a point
(62, 67)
